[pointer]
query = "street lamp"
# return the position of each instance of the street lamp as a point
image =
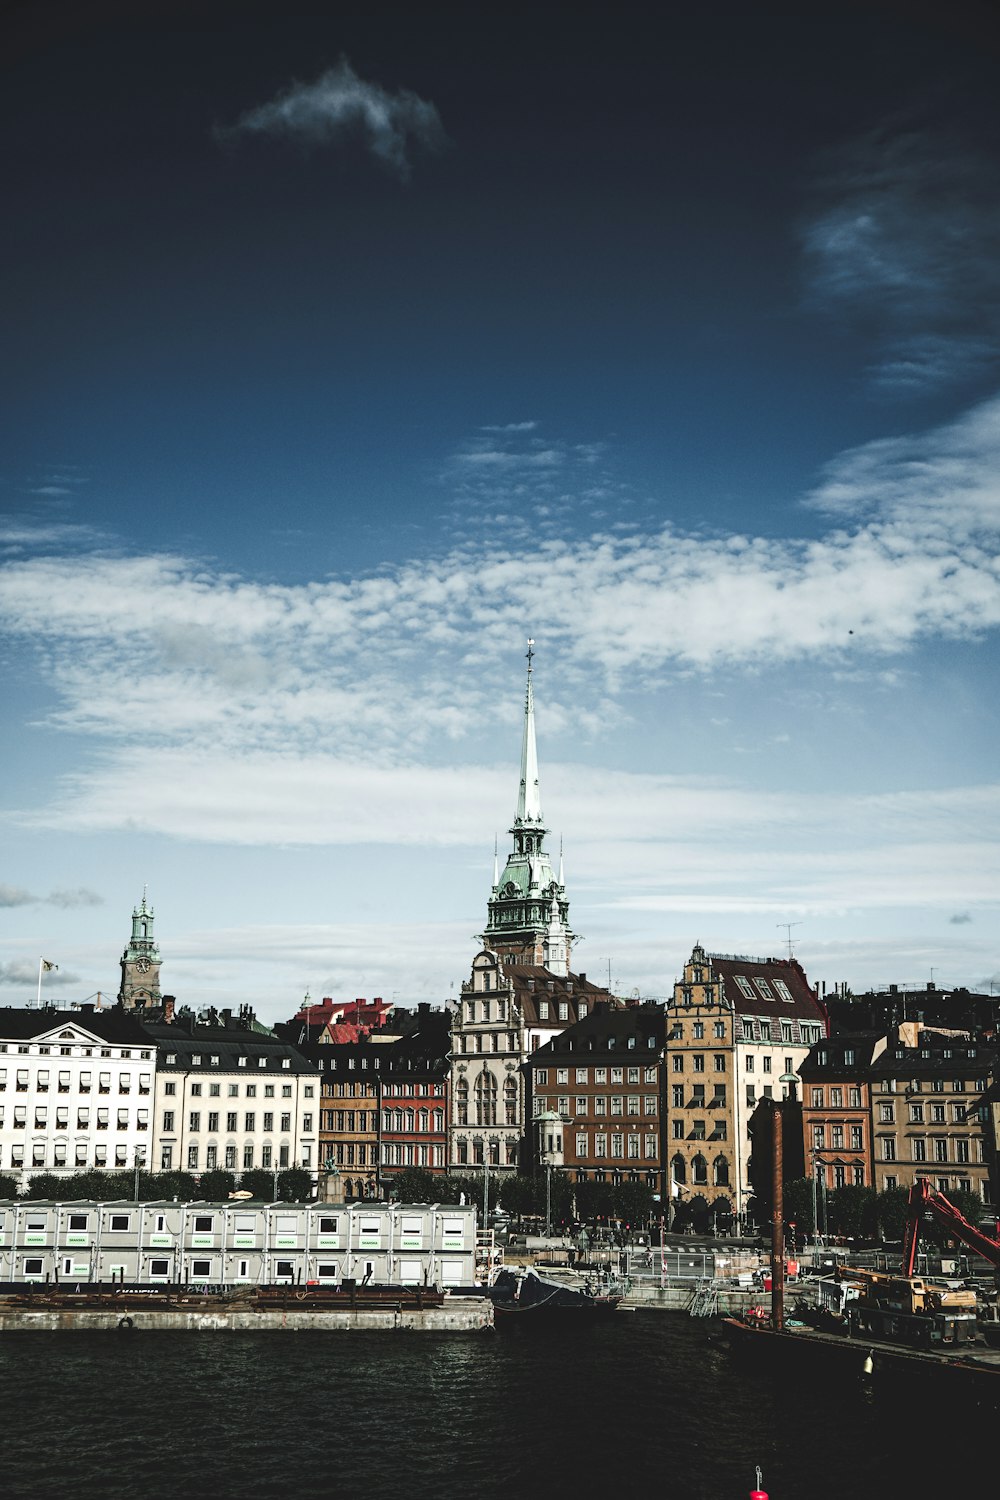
(140, 1162)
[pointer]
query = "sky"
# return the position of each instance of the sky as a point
(346, 347)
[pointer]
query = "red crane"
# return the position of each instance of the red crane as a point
(925, 1198)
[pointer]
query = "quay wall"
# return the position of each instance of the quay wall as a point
(458, 1315)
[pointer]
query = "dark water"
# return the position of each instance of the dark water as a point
(644, 1405)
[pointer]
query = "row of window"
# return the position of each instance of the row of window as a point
(102, 1118)
(349, 1120)
(600, 1075)
(622, 1147)
(406, 1154)
(233, 1090)
(836, 1098)
(61, 1154)
(696, 1091)
(943, 1184)
(937, 1086)
(213, 1117)
(699, 1170)
(408, 1120)
(600, 1105)
(934, 1114)
(488, 1041)
(484, 1152)
(196, 1059)
(64, 1082)
(229, 1159)
(27, 1048)
(939, 1147)
(960, 1113)
(694, 1130)
(836, 1136)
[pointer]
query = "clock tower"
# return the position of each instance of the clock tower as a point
(140, 985)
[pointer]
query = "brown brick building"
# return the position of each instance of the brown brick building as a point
(604, 1077)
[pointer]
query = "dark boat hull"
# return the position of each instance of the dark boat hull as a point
(531, 1295)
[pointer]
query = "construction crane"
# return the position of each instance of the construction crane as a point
(923, 1198)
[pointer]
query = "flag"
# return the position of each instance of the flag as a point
(47, 966)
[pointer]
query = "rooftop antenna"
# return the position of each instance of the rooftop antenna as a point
(788, 934)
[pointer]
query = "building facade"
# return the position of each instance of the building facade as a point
(505, 1013)
(837, 1109)
(76, 1091)
(930, 1115)
(602, 1080)
(736, 1028)
(231, 1097)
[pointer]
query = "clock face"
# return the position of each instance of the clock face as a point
(142, 964)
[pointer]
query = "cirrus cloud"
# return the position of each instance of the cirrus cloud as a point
(339, 107)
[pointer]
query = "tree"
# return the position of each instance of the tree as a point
(8, 1186)
(216, 1185)
(43, 1185)
(851, 1210)
(259, 1183)
(518, 1196)
(798, 1201)
(417, 1185)
(295, 1185)
(595, 1200)
(891, 1213)
(633, 1203)
(168, 1185)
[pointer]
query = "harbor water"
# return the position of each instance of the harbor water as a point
(643, 1404)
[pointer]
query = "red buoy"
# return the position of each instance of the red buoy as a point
(758, 1493)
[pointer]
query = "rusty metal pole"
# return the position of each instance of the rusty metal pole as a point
(778, 1221)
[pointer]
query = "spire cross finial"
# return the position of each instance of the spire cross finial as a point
(531, 653)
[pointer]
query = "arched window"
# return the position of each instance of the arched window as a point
(699, 1169)
(678, 1169)
(462, 1101)
(720, 1171)
(439, 1119)
(422, 1121)
(409, 1122)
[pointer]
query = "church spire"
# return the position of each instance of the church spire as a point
(528, 920)
(529, 802)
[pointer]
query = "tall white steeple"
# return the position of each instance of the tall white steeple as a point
(528, 911)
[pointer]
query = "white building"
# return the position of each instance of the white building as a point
(76, 1091)
(231, 1097)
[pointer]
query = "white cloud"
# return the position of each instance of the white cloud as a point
(396, 665)
(12, 895)
(341, 107)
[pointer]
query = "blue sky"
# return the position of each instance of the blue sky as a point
(346, 347)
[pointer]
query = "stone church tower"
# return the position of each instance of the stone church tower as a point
(140, 986)
(528, 920)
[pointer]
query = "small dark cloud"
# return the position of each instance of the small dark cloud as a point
(13, 895)
(81, 896)
(960, 918)
(23, 972)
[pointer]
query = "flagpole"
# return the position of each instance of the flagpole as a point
(38, 997)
